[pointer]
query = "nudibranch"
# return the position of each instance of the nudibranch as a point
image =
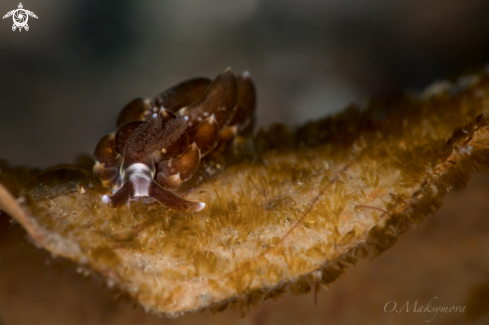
(159, 143)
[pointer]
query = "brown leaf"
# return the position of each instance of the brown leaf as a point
(294, 208)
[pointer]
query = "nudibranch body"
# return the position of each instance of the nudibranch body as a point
(159, 143)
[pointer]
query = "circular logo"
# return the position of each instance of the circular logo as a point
(20, 18)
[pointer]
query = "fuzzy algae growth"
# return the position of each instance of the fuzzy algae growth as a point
(288, 208)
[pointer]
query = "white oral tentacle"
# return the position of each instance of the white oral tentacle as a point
(105, 199)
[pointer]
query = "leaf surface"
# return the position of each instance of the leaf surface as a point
(290, 207)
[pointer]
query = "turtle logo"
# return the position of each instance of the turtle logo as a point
(20, 17)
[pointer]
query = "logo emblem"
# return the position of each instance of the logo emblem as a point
(20, 17)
